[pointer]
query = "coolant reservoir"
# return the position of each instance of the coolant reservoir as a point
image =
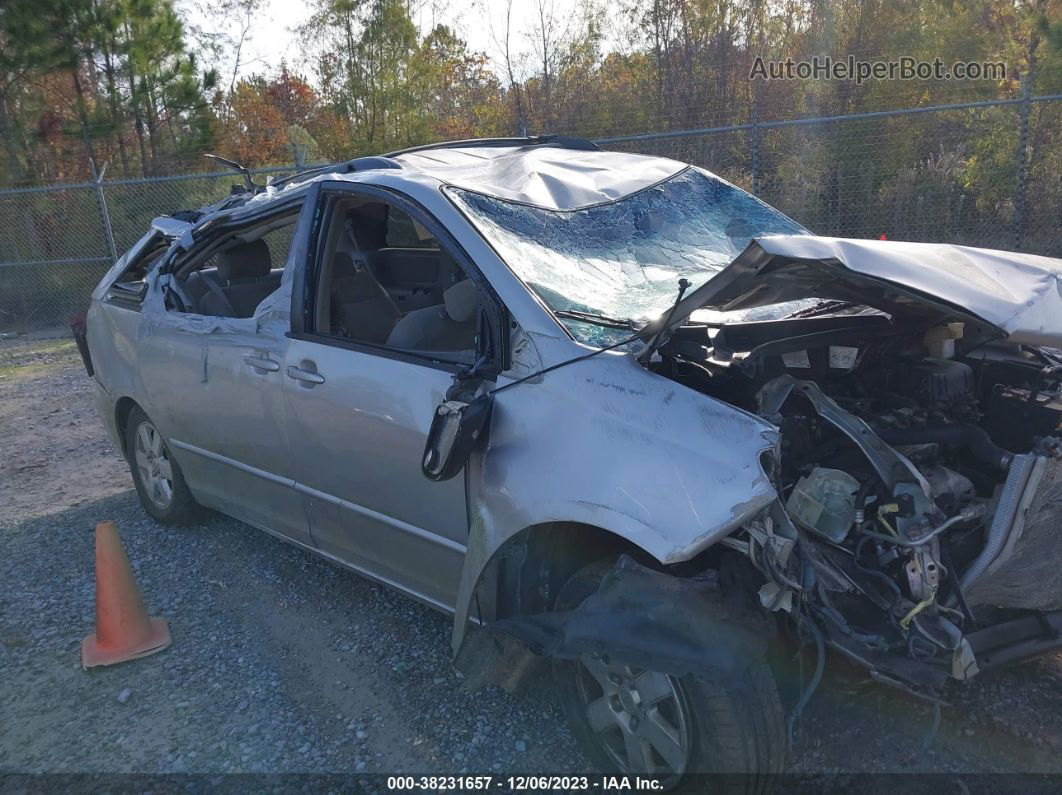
(940, 340)
(824, 502)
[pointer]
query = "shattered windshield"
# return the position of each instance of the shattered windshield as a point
(622, 260)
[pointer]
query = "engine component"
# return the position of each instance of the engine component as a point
(891, 467)
(923, 572)
(916, 515)
(970, 437)
(936, 381)
(918, 533)
(824, 502)
(1014, 417)
(947, 484)
(887, 469)
(923, 578)
(940, 340)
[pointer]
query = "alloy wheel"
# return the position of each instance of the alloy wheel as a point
(640, 718)
(153, 464)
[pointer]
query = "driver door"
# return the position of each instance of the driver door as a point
(360, 407)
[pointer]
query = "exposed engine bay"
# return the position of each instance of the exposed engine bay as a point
(920, 483)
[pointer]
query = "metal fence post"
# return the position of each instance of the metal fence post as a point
(108, 232)
(1022, 157)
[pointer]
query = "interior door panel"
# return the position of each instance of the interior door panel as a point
(411, 267)
(415, 277)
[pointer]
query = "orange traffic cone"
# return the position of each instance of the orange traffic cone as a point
(123, 629)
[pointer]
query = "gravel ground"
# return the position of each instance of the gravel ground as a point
(282, 662)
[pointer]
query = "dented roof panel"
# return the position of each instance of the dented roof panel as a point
(543, 176)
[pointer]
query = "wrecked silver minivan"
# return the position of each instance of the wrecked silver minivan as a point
(612, 412)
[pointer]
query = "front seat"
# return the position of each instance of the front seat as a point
(450, 326)
(241, 281)
(361, 308)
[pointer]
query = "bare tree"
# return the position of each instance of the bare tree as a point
(550, 35)
(503, 43)
(210, 24)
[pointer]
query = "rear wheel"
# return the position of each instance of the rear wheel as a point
(633, 721)
(156, 475)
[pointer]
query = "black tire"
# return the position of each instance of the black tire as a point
(177, 507)
(734, 722)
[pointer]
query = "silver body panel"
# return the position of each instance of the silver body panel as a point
(336, 467)
(226, 422)
(356, 442)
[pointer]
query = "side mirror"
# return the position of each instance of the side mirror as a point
(455, 429)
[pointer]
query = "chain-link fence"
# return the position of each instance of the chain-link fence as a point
(981, 173)
(56, 242)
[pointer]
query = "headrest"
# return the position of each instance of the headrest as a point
(460, 301)
(244, 261)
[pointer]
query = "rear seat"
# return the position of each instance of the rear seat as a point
(361, 308)
(240, 282)
(415, 277)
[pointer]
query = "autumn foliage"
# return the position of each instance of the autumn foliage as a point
(83, 82)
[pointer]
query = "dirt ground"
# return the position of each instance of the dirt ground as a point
(284, 663)
(48, 439)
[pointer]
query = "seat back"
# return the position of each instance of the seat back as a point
(244, 278)
(450, 326)
(361, 308)
(246, 296)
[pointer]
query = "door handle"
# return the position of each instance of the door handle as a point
(258, 363)
(308, 377)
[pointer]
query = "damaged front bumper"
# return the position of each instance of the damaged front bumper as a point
(1012, 592)
(683, 625)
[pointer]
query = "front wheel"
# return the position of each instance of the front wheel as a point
(632, 721)
(158, 480)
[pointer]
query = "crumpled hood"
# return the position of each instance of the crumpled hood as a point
(1020, 295)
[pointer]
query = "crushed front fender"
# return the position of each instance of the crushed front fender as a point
(649, 619)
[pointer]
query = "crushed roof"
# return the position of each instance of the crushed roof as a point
(543, 176)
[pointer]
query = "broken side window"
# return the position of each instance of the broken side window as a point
(230, 275)
(127, 291)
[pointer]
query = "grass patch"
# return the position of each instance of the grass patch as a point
(24, 358)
